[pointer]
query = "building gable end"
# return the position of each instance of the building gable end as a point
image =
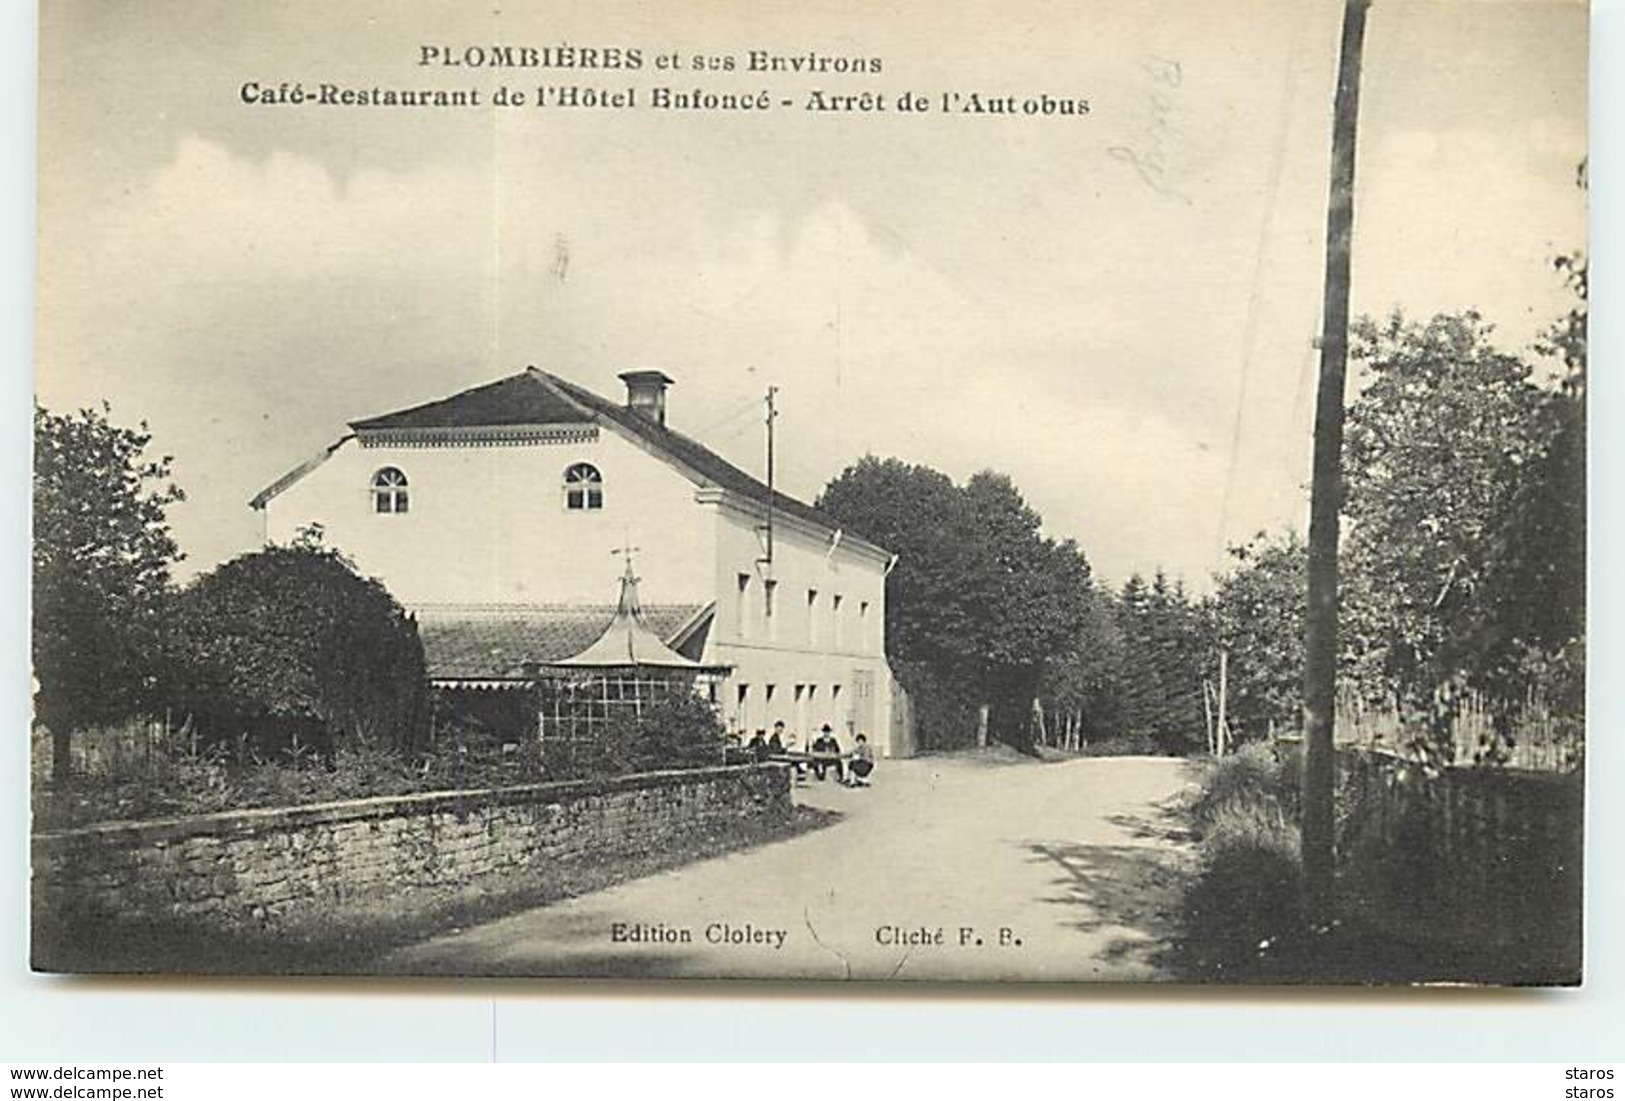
(263, 497)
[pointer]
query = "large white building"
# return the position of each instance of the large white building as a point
(497, 514)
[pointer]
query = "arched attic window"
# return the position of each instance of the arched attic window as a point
(389, 492)
(583, 487)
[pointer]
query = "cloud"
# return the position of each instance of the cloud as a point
(247, 308)
(216, 216)
(1054, 319)
(279, 301)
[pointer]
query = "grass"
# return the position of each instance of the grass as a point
(1242, 916)
(1242, 919)
(1252, 776)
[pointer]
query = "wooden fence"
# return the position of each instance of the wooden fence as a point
(1486, 863)
(135, 747)
(1533, 737)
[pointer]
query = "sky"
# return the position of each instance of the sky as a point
(1117, 309)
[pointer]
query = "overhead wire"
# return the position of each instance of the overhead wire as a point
(1255, 292)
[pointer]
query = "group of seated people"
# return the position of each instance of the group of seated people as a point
(851, 769)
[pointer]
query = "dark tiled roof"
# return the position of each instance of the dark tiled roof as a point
(692, 454)
(496, 642)
(514, 400)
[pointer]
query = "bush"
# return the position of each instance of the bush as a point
(357, 772)
(469, 756)
(289, 649)
(681, 731)
(170, 785)
(181, 784)
(1245, 906)
(1244, 911)
(1254, 774)
(676, 731)
(1248, 824)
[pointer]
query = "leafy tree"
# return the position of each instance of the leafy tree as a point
(290, 644)
(979, 599)
(1437, 445)
(1534, 619)
(1258, 619)
(102, 558)
(1083, 683)
(1466, 495)
(919, 515)
(1029, 594)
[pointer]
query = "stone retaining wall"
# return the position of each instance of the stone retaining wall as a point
(287, 868)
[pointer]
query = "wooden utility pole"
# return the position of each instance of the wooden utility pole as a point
(1220, 733)
(1320, 634)
(772, 415)
(1207, 715)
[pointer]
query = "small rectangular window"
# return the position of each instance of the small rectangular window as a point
(770, 593)
(806, 716)
(742, 612)
(812, 618)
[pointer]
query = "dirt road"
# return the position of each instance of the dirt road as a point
(947, 868)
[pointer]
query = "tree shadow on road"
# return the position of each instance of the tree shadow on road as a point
(1165, 822)
(1127, 897)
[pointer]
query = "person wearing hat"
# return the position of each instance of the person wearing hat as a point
(826, 752)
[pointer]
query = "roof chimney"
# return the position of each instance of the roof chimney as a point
(646, 393)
